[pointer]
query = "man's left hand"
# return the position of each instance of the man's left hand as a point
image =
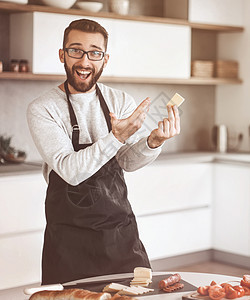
(167, 128)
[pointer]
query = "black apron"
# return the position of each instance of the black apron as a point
(91, 229)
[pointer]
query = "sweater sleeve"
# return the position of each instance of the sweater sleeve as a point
(136, 153)
(55, 146)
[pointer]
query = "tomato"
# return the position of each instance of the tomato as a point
(247, 290)
(213, 283)
(225, 285)
(240, 290)
(231, 293)
(203, 290)
(216, 292)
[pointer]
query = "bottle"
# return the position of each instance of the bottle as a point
(23, 66)
(14, 65)
(1, 66)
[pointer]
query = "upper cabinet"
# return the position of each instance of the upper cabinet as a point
(143, 49)
(137, 49)
(222, 12)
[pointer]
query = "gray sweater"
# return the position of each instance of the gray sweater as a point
(49, 123)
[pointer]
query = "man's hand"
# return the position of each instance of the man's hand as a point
(124, 128)
(167, 128)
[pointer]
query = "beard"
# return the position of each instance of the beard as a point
(79, 86)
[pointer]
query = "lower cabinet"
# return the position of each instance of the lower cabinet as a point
(172, 203)
(22, 223)
(176, 233)
(231, 208)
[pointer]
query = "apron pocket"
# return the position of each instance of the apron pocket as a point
(81, 195)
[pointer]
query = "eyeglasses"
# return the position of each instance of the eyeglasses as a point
(79, 53)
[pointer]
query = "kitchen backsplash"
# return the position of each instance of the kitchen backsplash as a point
(197, 112)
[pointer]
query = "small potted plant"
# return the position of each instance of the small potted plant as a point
(8, 153)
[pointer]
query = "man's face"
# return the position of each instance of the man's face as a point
(82, 74)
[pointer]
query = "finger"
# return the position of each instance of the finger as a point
(113, 118)
(177, 120)
(166, 125)
(171, 116)
(142, 108)
(161, 126)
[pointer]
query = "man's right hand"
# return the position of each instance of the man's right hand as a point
(124, 128)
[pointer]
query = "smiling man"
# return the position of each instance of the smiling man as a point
(87, 134)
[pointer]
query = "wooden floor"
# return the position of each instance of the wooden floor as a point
(215, 267)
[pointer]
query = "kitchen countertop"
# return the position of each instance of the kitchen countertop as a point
(172, 158)
(196, 279)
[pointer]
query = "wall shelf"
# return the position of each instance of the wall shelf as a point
(15, 8)
(131, 80)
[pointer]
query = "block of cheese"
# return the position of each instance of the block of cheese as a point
(140, 272)
(142, 277)
(176, 100)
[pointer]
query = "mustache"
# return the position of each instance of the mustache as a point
(76, 68)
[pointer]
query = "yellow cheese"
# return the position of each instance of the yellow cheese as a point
(176, 100)
(114, 287)
(140, 272)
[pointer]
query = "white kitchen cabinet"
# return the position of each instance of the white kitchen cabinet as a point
(38, 37)
(164, 187)
(22, 223)
(170, 234)
(137, 49)
(231, 208)
(22, 203)
(222, 12)
(144, 49)
(172, 203)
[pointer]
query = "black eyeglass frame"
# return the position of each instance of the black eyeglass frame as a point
(85, 52)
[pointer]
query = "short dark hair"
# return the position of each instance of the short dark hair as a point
(85, 25)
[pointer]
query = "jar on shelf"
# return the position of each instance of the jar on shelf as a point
(120, 7)
(23, 66)
(1, 66)
(14, 65)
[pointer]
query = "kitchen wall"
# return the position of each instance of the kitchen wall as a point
(233, 102)
(197, 112)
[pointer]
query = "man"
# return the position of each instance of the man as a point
(87, 133)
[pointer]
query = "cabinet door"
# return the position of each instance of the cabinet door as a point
(144, 49)
(222, 12)
(170, 234)
(20, 262)
(165, 187)
(38, 37)
(231, 209)
(22, 203)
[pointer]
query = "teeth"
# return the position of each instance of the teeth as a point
(84, 72)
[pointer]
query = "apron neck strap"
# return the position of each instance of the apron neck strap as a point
(73, 120)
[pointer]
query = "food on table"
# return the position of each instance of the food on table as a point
(174, 287)
(171, 284)
(70, 294)
(114, 287)
(245, 281)
(216, 292)
(126, 290)
(226, 290)
(142, 276)
(122, 297)
(135, 290)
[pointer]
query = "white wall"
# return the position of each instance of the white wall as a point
(233, 102)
